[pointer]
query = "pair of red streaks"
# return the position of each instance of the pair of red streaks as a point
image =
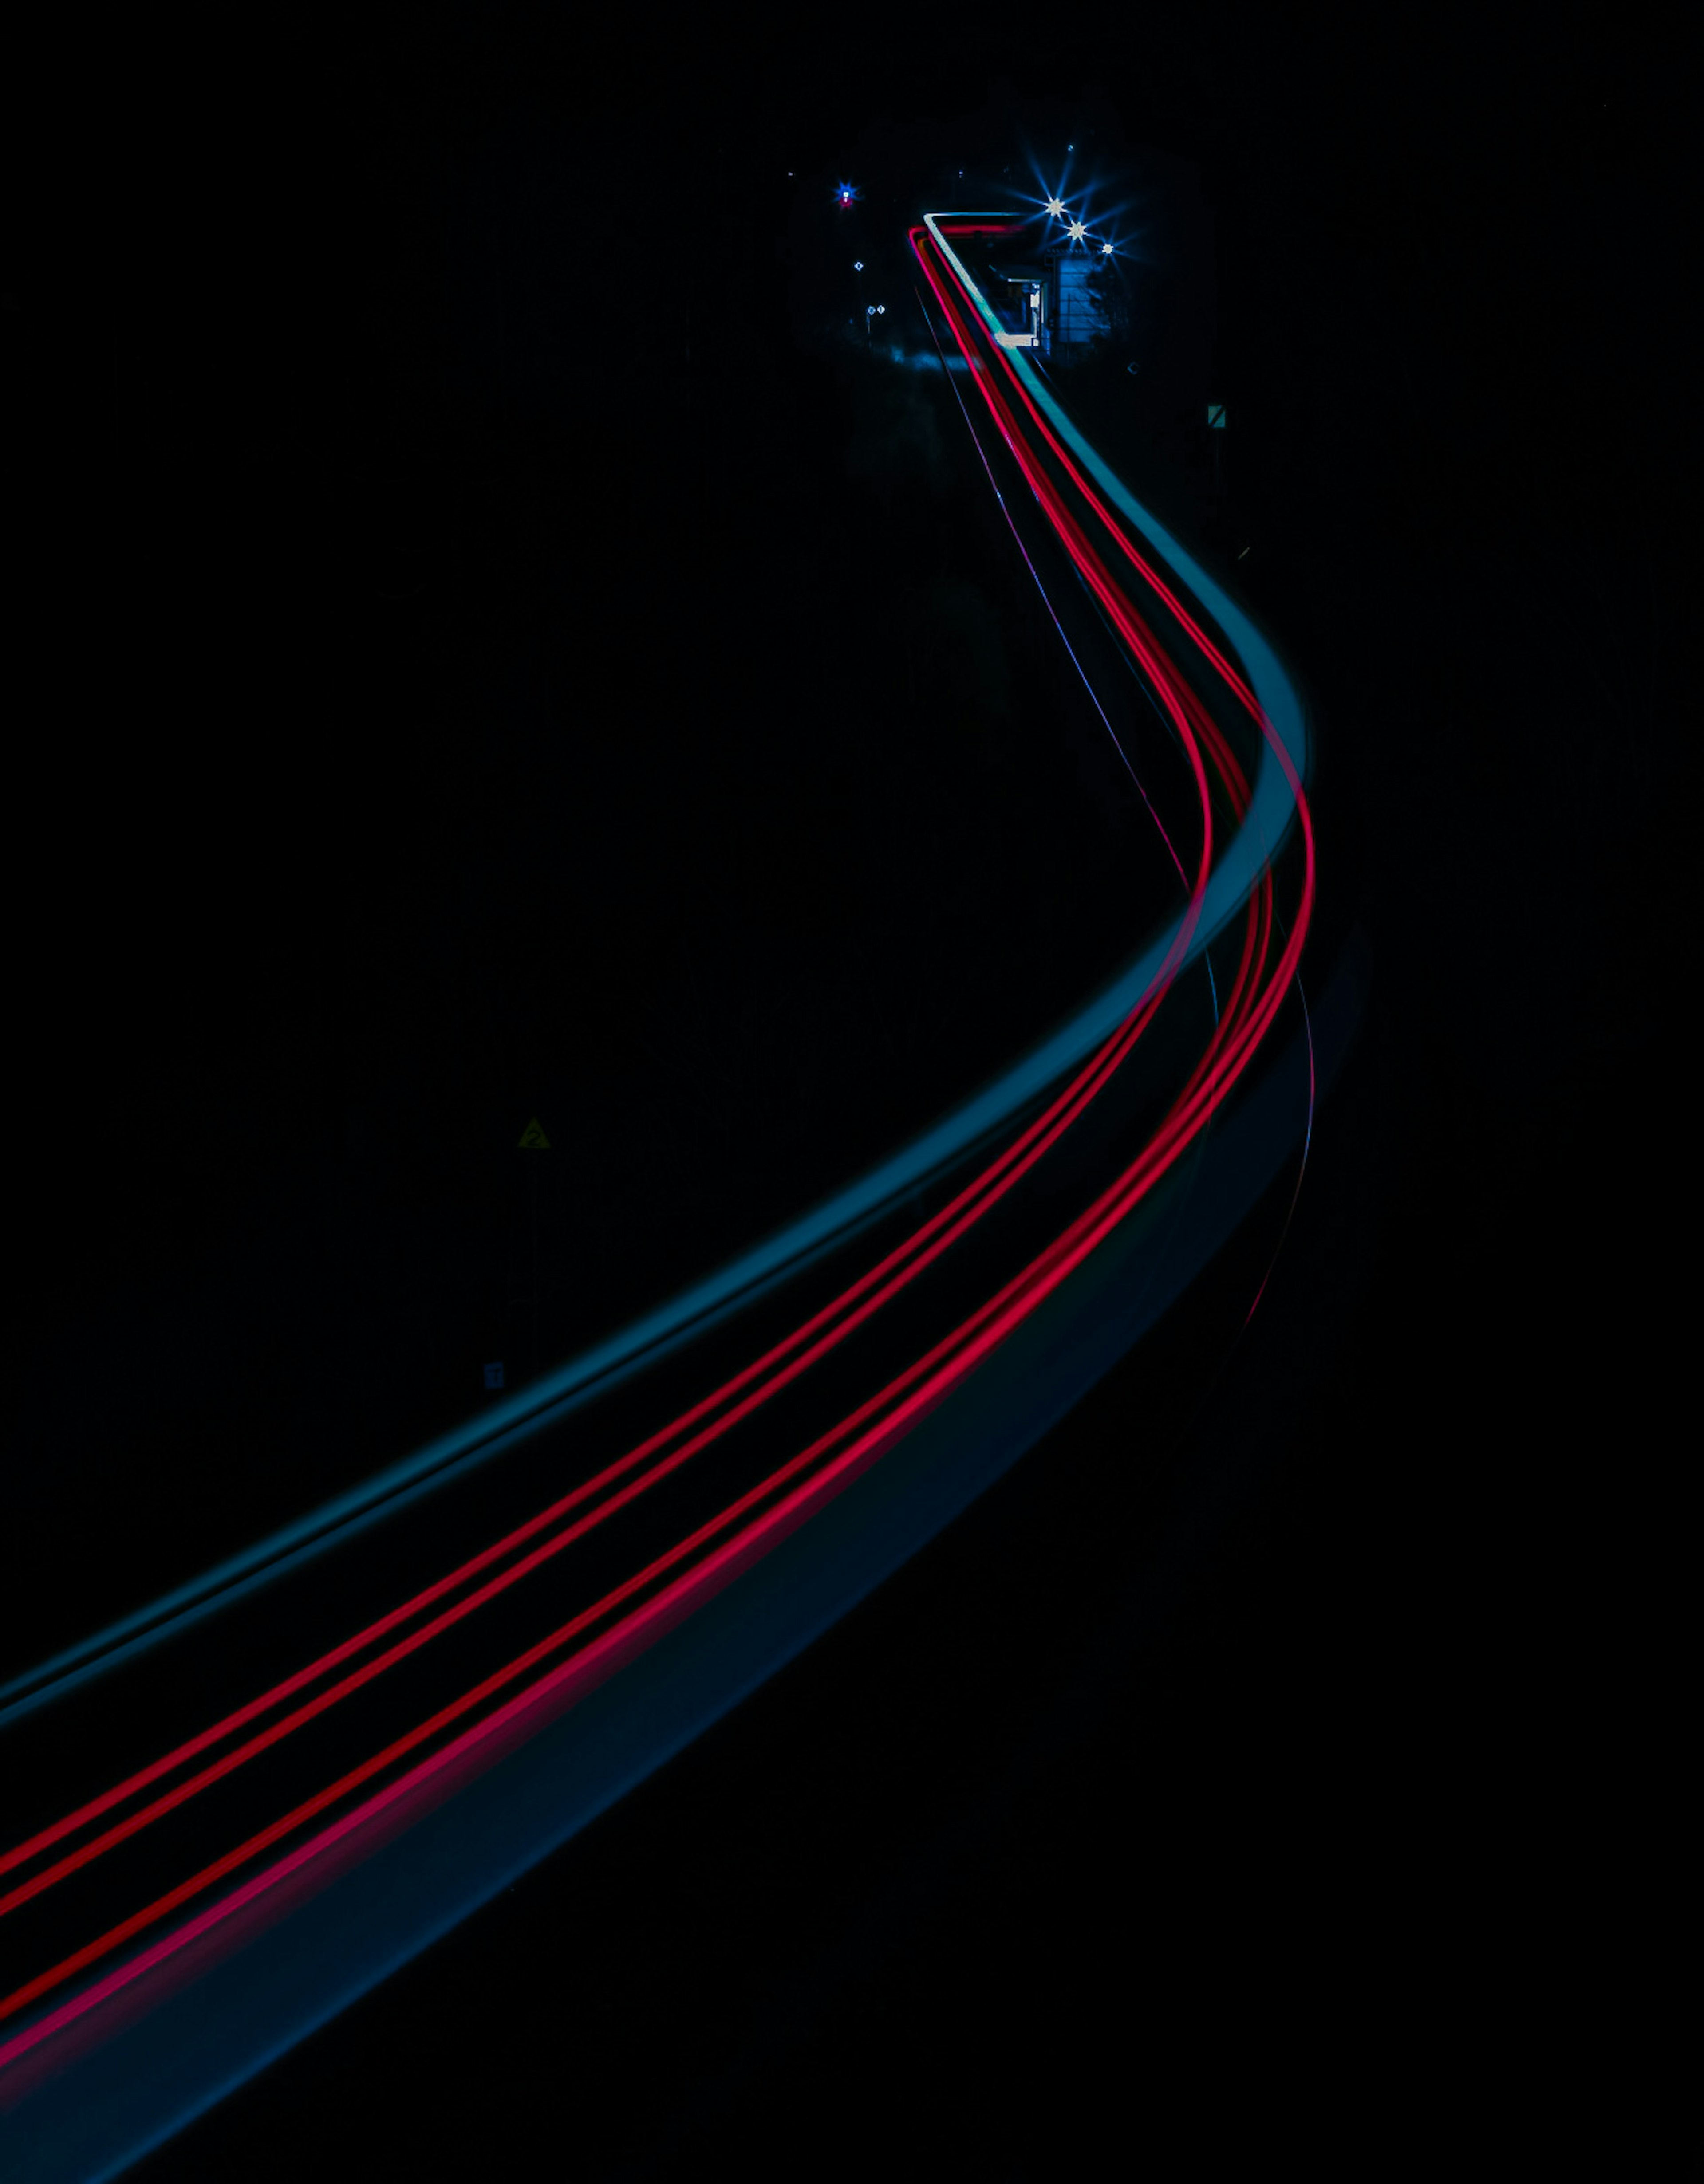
(978, 1197)
(1016, 1162)
(1228, 673)
(956, 1354)
(1174, 690)
(1242, 1023)
(1180, 703)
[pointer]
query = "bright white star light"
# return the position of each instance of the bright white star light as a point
(1106, 250)
(1057, 209)
(1076, 230)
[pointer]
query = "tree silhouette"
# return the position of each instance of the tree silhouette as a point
(1109, 286)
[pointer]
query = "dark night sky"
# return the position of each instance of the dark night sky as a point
(467, 662)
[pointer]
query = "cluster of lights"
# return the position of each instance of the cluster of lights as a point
(871, 310)
(1075, 228)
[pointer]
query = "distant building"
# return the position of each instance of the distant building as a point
(1046, 303)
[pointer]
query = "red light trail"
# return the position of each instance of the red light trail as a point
(629, 1616)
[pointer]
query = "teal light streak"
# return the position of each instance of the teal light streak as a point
(558, 1394)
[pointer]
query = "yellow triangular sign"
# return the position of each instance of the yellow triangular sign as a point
(532, 1139)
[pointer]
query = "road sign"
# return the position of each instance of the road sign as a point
(1216, 415)
(494, 1375)
(532, 1139)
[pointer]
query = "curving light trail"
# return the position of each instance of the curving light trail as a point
(1158, 604)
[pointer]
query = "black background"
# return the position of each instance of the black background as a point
(446, 688)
